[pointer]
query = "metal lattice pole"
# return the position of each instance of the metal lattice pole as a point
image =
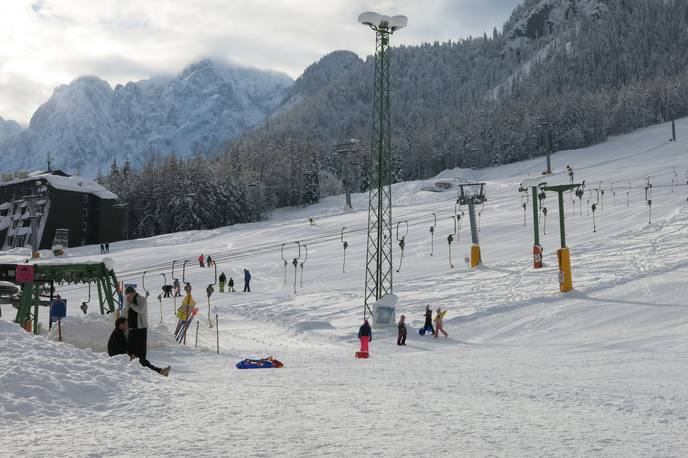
(379, 255)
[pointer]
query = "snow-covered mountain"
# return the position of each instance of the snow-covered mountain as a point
(87, 123)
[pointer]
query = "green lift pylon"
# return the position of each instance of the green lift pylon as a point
(47, 274)
(379, 251)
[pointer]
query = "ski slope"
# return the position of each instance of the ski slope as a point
(526, 370)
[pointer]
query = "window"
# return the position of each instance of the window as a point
(84, 226)
(85, 199)
(85, 213)
(26, 223)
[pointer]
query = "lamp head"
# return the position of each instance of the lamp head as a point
(380, 22)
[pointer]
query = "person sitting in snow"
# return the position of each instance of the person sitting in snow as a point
(117, 344)
(401, 340)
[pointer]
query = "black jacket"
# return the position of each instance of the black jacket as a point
(117, 345)
(365, 331)
(223, 278)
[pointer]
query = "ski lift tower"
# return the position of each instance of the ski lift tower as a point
(379, 252)
(558, 183)
(471, 194)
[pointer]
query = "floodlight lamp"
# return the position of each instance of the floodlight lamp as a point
(378, 21)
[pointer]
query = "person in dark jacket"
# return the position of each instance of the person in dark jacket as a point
(222, 280)
(366, 335)
(117, 344)
(247, 280)
(210, 261)
(230, 285)
(428, 321)
(401, 340)
(136, 312)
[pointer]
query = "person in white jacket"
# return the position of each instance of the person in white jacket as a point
(136, 312)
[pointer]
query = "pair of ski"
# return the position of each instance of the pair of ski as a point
(183, 326)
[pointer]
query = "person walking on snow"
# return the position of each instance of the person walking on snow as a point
(438, 326)
(247, 280)
(428, 321)
(102, 249)
(210, 261)
(401, 340)
(222, 279)
(200, 259)
(366, 335)
(136, 313)
(230, 285)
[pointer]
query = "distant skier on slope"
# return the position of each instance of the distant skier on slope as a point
(366, 335)
(247, 281)
(401, 339)
(222, 280)
(200, 260)
(438, 319)
(428, 321)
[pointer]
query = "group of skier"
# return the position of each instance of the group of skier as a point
(223, 278)
(230, 283)
(365, 333)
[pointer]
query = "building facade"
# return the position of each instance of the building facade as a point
(68, 211)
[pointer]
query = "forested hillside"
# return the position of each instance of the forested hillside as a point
(561, 74)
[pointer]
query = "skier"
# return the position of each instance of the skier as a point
(439, 329)
(230, 285)
(428, 321)
(200, 259)
(102, 249)
(247, 280)
(222, 280)
(210, 261)
(401, 340)
(136, 313)
(107, 247)
(366, 335)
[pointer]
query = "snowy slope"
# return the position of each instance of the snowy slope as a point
(526, 370)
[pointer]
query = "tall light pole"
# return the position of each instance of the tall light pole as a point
(379, 253)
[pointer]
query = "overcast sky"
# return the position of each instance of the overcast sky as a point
(45, 43)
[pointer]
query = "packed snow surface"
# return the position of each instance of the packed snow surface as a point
(526, 370)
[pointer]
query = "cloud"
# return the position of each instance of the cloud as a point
(50, 42)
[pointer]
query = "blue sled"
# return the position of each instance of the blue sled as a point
(254, 364)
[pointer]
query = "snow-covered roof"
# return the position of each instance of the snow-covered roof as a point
(72, 183)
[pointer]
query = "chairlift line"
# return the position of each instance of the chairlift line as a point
(402, 242)
(302, 263)
(346, 245)
(450, 239)
(432, 232)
